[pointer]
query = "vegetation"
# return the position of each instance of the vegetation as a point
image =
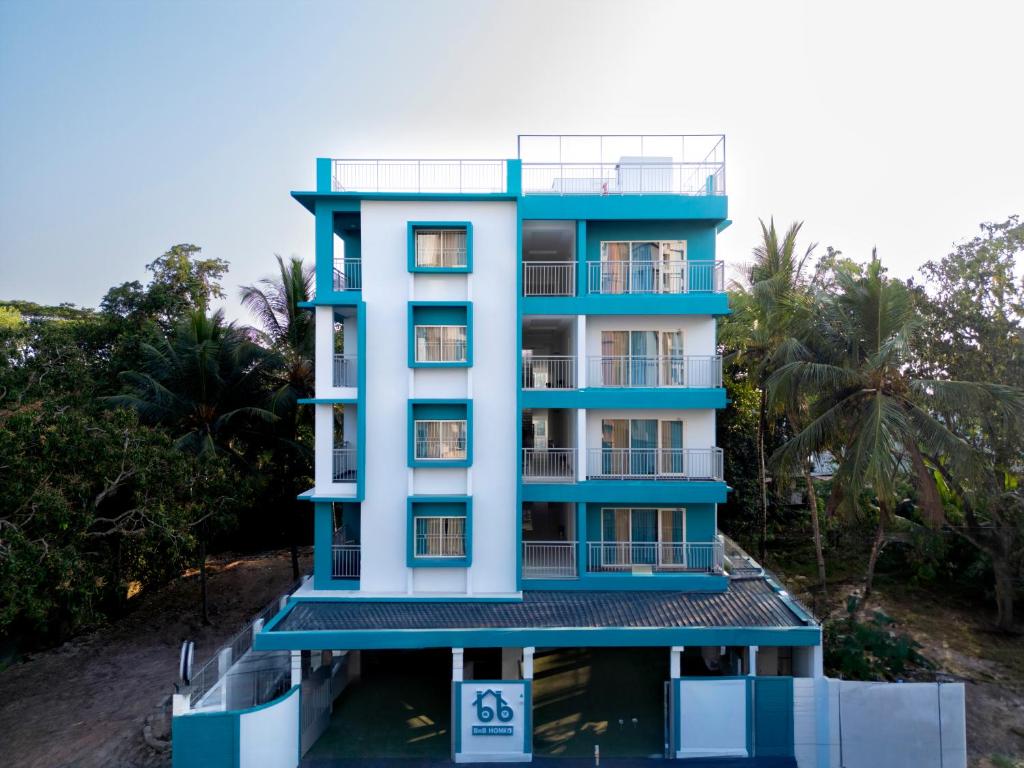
(873, 422)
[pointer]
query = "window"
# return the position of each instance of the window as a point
(642, 359)
(643, 536)
(655, 266)
(441, 248)
(439, 537)
(440, 343)
(642, 447)
(440, 439)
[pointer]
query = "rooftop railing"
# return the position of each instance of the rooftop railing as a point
(677, 164)
(419, 176)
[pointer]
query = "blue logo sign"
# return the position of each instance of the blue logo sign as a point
(487, 712)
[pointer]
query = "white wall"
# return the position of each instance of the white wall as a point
(490, 383)
(698, 430)
(712, 718)
(698, 332)
(269, 737)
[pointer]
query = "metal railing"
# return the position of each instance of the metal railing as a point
(429, 545)
(346, 369)
(549, 559)
(549, 278)
(695, 371)
(440, 351)
(420, 176)
(348, 275)
(345, 466)
(655, 464)
(549, 372)
(549, 465)
(705, 556)
(431, 449)
(642, 176)
(648, 277)
(345, 561)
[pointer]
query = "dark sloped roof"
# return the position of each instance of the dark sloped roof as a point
(745, 604)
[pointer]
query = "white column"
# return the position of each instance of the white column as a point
(528, 662)
(752, 660)
(817, 661)
(675, 661)
(457, 663)
(179, 704)
(296, 667)
(323, 441)
(323, 332)
(581, 444)
(581, 351)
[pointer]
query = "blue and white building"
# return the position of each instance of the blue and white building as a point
(517, 385)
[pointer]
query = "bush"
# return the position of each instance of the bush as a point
(870, 650)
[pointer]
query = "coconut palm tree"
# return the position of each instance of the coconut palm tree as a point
(764, 326)
(206, 383)
(287, 330)
(865, 407)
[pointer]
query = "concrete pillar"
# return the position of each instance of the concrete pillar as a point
(675, 661)
(511, 658)
(355, 664)
(256, 627)
(528, 662)
(296, 667)
(457, 665)
(581, 351)
(581, 444)
(180, 703)
(751, 660)
(817, 661)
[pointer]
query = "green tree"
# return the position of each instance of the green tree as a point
(206, 384)
(287, 329)
(867, 408)
(973, 309)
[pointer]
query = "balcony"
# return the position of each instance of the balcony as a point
(623, 165)
(419, 176)
(549, 278)
(549, 560)
(655, 464)
(344, 465)
(654, 557)
(684, 371)
(346, 371)
(549, 465)
(348, 275)
(655, 277)
(345, 561)
(549, 372)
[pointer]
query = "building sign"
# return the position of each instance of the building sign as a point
(492, 720)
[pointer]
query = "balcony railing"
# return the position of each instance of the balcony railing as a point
(345, 370)
(704, 557)
(652, 277)
(429, 545)
(655, 371)
(549, 278)
(345, 464)
(348, 275)
(549, 560)
(444, 449)
(654, 464)
(549, 465)
(549, 372)
(440, 351)
(420, 176)
(345, 561)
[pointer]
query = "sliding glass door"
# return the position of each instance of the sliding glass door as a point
(642, 447)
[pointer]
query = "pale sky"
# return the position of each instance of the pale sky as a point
(126, 127)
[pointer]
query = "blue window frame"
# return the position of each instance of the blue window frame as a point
(440, 433)
(440, 334)
(440, 246)
(439, 532)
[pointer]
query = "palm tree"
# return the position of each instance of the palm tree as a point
(763, 331)
(287, 329)
(865, 407)
(206, 383)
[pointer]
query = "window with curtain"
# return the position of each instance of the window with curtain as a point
(440, 439)
(642, 536)
(644, 266)
(440, 343)
(642, 358)
(439, 536)
(441, 248)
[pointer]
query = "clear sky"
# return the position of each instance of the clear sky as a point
(126, 127)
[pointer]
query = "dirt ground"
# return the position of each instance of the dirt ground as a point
(83, 705)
